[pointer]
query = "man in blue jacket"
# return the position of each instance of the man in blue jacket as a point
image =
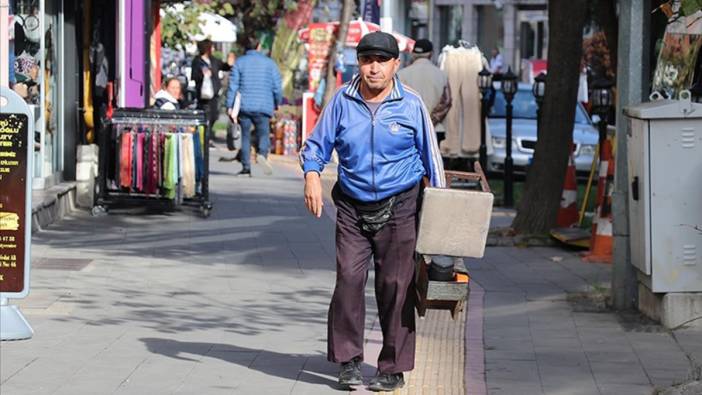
(257, 78)
(386, 145)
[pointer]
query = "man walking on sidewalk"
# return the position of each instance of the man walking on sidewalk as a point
(430, 82)
(386, 144)
(257, 78)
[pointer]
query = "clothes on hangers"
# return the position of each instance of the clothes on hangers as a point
(167, 162)
(462, 122)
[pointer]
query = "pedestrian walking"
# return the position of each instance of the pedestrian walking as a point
(386, 144)
(430, 82)
(205, 73)
(257, 78)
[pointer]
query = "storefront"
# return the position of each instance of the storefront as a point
(519, 28)
(45, 61)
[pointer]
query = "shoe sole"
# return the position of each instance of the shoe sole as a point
(348, 383)
(385, 389)
(267, 169)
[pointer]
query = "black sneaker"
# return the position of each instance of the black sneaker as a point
(350, 373)
(386, 382)
(244, 173)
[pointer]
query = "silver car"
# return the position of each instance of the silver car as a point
(585, 135)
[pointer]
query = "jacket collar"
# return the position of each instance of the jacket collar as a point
(353, 89)
(422, 61)
(252, 52)
(163, 94)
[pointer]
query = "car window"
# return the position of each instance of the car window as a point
(524, 106)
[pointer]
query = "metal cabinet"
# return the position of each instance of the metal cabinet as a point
(664, 151)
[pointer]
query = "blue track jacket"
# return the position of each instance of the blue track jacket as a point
(257, 77)
(379, 155)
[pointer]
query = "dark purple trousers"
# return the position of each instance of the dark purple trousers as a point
(392, 249)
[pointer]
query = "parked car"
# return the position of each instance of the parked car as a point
(585, 135)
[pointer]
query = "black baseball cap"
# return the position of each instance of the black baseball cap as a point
(378, 43)
(422, 46)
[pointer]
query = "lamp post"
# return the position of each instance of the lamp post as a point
(539, 91)
(509, 88)
(601, 99)
(485, 85)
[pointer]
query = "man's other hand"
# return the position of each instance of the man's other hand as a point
(313, 193)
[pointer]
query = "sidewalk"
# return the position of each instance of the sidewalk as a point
(147, 303)
(545, 332)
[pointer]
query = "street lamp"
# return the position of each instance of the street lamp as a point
(601, 99)
(509, 88)
(539, 91)
(485, 85)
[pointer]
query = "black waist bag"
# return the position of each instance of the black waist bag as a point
(373, 216)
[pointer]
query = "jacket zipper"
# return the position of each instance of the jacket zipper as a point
(372, 114)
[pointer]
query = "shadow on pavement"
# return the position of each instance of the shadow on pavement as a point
(313, 368)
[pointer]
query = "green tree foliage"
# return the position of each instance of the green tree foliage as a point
(259, 16)
(180, 23)
(689, 7)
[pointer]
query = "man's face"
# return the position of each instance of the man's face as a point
(377, 71)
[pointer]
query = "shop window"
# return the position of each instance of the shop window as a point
(36, 33)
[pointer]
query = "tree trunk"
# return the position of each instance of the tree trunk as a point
(346, 11)
(537, 211)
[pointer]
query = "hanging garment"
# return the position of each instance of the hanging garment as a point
(161, 159)
(134, 158)
(147, 161)
(179, 167)
(462, 122)
(169, 167)
(116, 158)
(139, 185)
(199, 159)
(201, 131)
(180, 154)
(188, 165)
(125, 162)
(152, 165)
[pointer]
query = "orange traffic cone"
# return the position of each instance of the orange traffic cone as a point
(602, 239)
(568, 211)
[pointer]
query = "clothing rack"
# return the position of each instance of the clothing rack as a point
(154, 157)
